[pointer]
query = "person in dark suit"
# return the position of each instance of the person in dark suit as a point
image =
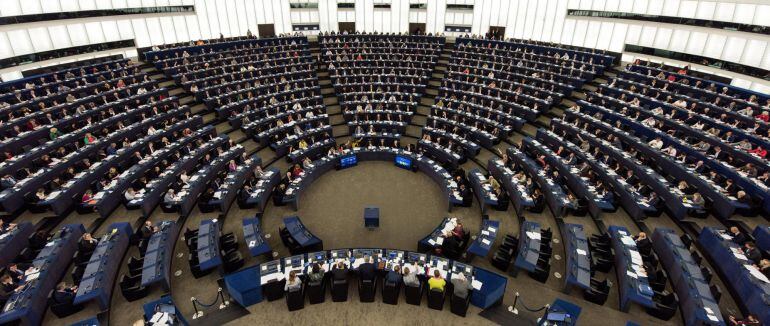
(7, 182)
(367, 270)
(64, 294)
(751, 252)
(7, 287)
(38, 240)
(643, 243)
(339, 272)
(87, 243)
(738, 237)
(467, 196)
(146, 229)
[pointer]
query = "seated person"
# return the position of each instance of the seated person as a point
(738, 237)
(436, 282)
(394, 276)
(340, 272)
(643, 244)
(367, 270)
(410, 278)
(461, 285)
(87, 243)
(764, 267)
(64, 294)
(316, 273)
(750, 320)
(752, 252)
(292, 282)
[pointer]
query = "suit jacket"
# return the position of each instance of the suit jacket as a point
(754, 254)
(366, 271)
(339, 274)
(66, 296)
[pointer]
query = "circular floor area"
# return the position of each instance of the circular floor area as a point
(410, 203)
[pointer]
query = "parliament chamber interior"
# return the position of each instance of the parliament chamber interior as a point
(384, 162)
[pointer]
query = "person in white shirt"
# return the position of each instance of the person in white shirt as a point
(293, 282)
(185, 179)
(130, 194)
(656, 143)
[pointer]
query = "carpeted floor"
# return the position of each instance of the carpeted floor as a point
(411, 206)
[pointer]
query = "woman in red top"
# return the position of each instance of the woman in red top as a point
(764, 116)
(296, 171)
(759, 151)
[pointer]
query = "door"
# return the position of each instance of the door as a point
(266, 30)
(497, 32)
(349, 27)
(416, 28)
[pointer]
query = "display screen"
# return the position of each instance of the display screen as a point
(404, 162)
(348, 161)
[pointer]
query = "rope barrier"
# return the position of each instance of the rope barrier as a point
(516, 301)
(220, 295)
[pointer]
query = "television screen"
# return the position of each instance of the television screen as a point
(404, 162)
(348, 161)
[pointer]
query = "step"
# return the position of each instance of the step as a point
(424, 110)
(434, 83)
(431, 91)
(414, 131)
(327, 90)
(186, 100)
(437, 75)
(223, 128)
(237, 135)
(427, 101)
(336, 119)
(209, 118)
(340, 130)
(198, 108)
(166, 83)
(324, 82)
(419, 120)
(249, 145)
(322, 73)
(176, 91)
(331, 100)
(333, 109)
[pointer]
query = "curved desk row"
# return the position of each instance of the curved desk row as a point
(233, 182)
(112, 195)
(104, 265)
(417, 161)
(554, 194)
(28, 305)
(252, 285)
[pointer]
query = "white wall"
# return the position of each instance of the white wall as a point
(527, 19)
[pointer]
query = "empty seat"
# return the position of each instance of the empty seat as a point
(696, 257)
(686, 240)
(664, 309)
(232, 262)
(716, 291)
(134, 263)
(131, 288)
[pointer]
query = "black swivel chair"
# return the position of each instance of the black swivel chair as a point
(340, 290)
(295, 299)
(131, 288)
(665, 306)
(62, 310)
(459, 305)
(716, 292)
(316, 291)
(367, 290)
(436, 299)
(390, 292)
(413, 294)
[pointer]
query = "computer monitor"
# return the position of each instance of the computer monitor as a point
(403, 162)
(348, 161)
